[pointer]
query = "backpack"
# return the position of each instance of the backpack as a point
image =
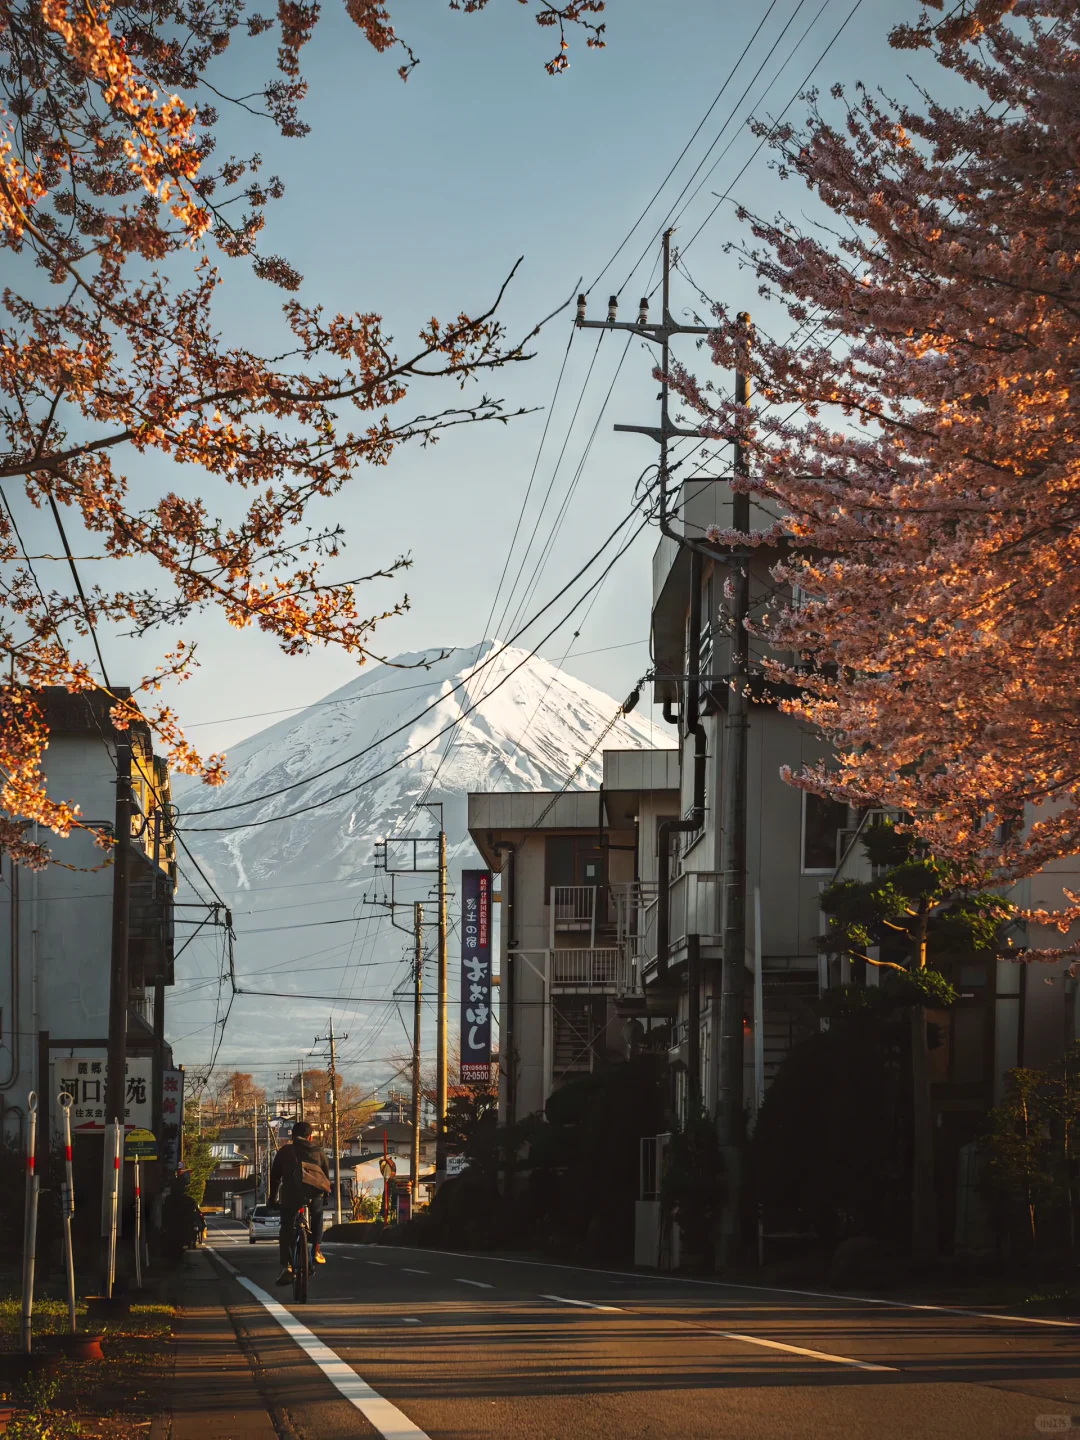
(313, 1180)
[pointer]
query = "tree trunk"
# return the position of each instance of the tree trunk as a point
(924, 1195)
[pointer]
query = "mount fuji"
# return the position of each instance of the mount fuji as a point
(309, 796)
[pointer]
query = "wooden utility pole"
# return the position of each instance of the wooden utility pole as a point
(418, 984)
(386, 852)
(335, 1139)
(737, 561)
(733, 861)
(441, 1043)
(300, 1073)
(258, 1167)
(116, 1082)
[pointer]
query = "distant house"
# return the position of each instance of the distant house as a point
(234, 1174)
(369, 1142)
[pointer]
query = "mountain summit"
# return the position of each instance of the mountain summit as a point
(518, 722)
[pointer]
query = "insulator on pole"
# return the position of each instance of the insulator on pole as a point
(580, 308)
(612, 306)
(643, 310)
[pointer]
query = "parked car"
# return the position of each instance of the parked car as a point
(264, 1222)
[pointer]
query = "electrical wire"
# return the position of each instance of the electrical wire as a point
(678, 160)
(272, 794)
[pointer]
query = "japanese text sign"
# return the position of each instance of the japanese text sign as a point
(83, 1077)
(475, 976)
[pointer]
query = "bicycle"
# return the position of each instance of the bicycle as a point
(301, 1258)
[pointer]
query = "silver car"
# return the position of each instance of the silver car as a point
(264, 1222)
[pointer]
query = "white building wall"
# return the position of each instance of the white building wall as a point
(56, 931)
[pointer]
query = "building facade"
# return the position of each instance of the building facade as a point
(56, 941)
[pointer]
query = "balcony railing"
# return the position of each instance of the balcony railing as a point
(573, 907)
(694, 908)
(585, 967)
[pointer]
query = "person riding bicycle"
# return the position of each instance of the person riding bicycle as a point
(300, 1175)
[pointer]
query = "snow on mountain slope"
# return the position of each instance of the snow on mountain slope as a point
(288, 879)
(528, 733)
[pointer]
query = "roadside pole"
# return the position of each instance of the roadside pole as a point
(138, 1226)
(113, 1150)
(418, 985)
(333, 1039)
(119, 986)
(67, 1197)
(30, 1224)
(442, 1042)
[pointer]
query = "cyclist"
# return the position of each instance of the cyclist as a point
(300, 1175)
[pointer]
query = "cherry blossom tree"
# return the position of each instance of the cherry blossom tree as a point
(917, 437)
(114, 200)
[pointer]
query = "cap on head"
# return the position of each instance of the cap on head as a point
(301, 1130)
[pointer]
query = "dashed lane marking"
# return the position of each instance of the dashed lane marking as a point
(585, 1304)
(480, 1284)
(798, 1350)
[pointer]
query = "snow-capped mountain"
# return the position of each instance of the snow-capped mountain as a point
(308, 798)
(512, 721)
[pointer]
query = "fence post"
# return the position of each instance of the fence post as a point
(138, 1227)
(30, 1225)
(67, 1198)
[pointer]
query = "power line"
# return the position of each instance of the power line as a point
(351, 790)
(700, 125)
(720, 134)
(272, 794)
(776, 123)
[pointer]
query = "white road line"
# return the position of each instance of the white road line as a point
(388, 1420)
(762, 1289)
(410, 1271)
(798, 1350)
(408, 1321)
(381, 1264)
(585, 1304)
(480, 1284)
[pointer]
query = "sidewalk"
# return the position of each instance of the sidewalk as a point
(211, 1389)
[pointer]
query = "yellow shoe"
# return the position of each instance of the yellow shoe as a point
(320, 1258)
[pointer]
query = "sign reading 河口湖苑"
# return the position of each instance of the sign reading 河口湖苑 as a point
(475, 976)
(83, 1077)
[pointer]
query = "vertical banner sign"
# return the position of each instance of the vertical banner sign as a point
(172, 1118)
(475, 977)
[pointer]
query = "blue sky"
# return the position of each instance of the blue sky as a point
(416, 199)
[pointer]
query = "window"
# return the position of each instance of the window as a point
(823, 819)
(573, 860)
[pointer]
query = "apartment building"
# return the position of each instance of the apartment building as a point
(577, 872)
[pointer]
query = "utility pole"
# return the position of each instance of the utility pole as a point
(733, 862)
(441, 1043)
(116, 1085)
(300, 1075)
(734, 788)
(418, 983)
(333, 1039)
(258, 1167)
(392, 866)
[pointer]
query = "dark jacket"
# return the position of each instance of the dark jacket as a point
(285, 1171)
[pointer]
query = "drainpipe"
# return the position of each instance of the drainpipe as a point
(696, 818)
(669, 716)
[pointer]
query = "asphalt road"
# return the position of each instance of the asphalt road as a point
(468, 1347)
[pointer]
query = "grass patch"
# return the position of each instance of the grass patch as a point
(110, 1399)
